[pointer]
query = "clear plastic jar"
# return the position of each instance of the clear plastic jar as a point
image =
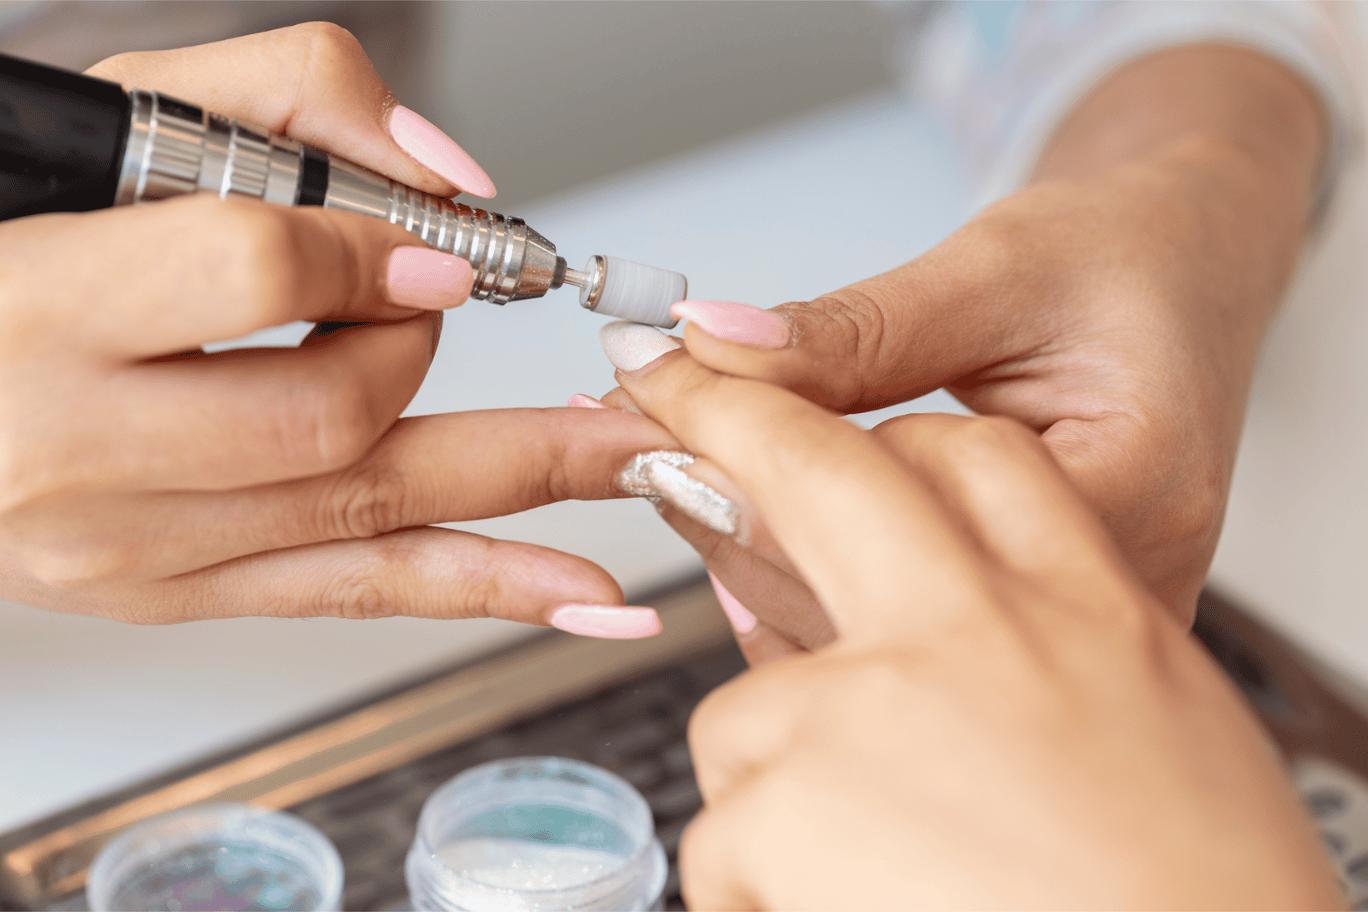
(217, 856)
(535, 833)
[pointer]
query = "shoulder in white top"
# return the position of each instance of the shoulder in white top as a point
(1004, 75)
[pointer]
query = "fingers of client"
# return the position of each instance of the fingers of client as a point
(1036, 680)
(865, 533)
(1022, 511)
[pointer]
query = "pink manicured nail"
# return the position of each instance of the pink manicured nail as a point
(742, 621)
(427, 278)
(433, 149)
(607, 621)
(579, 400)
(734, 322)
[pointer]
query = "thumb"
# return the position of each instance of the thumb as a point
(878, 342)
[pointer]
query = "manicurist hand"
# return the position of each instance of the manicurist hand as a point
(144, 480)
(1115, 306)
(1007, 717)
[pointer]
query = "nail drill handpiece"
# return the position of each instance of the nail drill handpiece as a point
(135, 146)
(174, 147)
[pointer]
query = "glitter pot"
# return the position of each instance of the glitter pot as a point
(217, 856)
(535, 833)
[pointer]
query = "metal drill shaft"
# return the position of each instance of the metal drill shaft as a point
(175, 148)
(511, 261)
(578, 279)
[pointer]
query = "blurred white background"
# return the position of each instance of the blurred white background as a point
(546, 95)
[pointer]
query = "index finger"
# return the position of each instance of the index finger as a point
(869, 538)
(195, 269)
(314, 83)
(882, 341)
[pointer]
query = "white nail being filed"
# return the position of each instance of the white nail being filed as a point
(633, 478)
(631, 346)
(658, 476)
(693, 498)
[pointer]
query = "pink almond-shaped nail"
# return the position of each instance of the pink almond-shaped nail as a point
(427, 278)
(742, 620)
(733, 322)
(433, 149)
(607, 621)
(579, 400)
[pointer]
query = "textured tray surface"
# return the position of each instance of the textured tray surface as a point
(636, 729)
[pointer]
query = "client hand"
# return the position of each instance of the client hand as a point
(1007, 718)
(144, 480)
(1116, 308)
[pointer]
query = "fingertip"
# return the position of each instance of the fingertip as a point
(731, 321)
(427, 279)
(620, 400)
(764, 645)
(580, 400)
(439, 153)
(632, 346)
(437, 323)
(614, 622)
(759, 643)
(742, 620)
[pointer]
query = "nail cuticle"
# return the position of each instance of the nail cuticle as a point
(645, 369)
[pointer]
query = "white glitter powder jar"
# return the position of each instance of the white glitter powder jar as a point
(217, 856)
(535, 833)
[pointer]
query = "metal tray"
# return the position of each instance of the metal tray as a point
(362, 773)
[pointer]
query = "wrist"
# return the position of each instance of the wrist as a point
(1241, 216)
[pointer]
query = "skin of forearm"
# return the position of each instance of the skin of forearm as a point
(1240, 135)
(1235, 96)
(1211, 154)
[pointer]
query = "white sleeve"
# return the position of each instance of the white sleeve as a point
(1004, 75)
